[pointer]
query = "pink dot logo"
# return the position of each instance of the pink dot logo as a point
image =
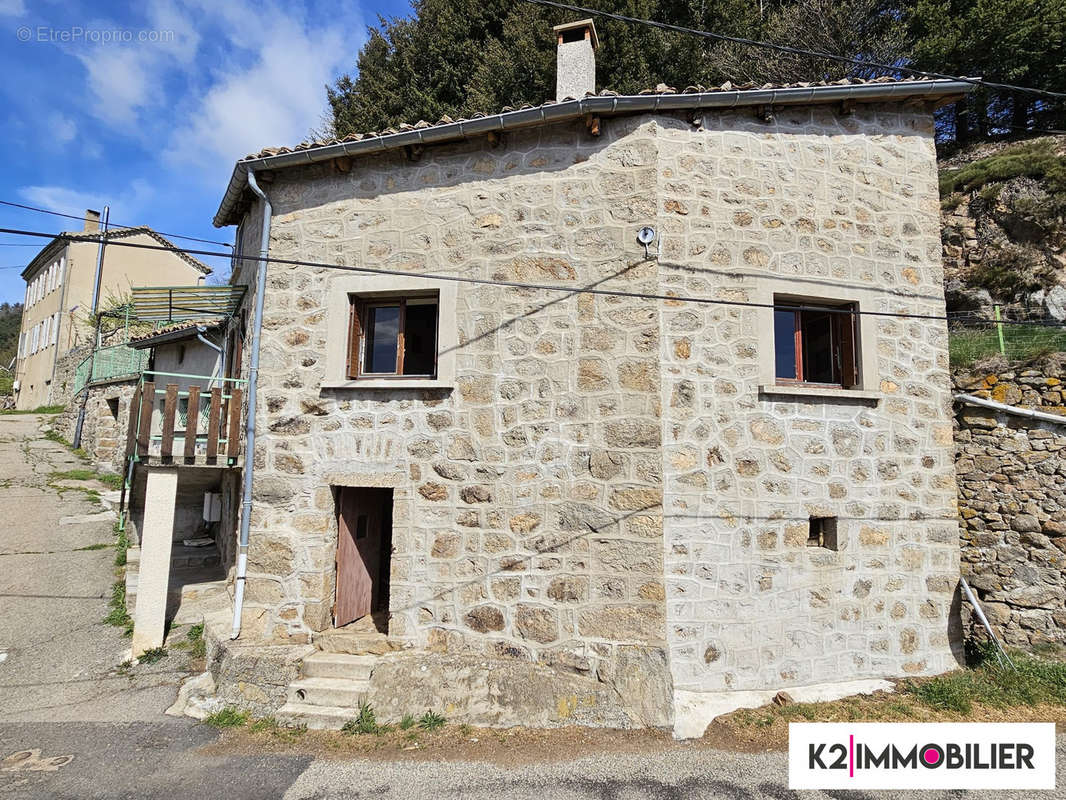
(932, 755)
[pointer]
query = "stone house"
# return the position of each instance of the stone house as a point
(619, 410)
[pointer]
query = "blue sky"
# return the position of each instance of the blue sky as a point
(146, 106)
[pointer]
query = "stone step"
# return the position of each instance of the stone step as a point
(320, 718)
(356, 644)
(329, 692)
(338, 665)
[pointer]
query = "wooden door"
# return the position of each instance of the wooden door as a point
(363, 532)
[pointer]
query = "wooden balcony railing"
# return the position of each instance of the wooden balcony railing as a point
(190, 419)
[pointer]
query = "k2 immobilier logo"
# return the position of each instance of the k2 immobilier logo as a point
(876, 755)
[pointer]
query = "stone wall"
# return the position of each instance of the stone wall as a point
(103, 434)
(1012, 503)
(529, 496)
(824, 208)
(518, 491)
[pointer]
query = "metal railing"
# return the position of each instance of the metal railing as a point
(108, 364)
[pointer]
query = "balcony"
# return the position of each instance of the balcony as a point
(186, 420)
(109, 364)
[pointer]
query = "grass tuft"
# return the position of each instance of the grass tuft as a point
(228, 717)
(366, 722)
(195, 635)
(152, 655)
(431, 721)
(119, 616)
(407, 721)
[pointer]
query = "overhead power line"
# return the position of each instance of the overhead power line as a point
(796, 50)
(544, 287)
(82, 218)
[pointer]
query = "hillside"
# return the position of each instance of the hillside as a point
(1003, 209)
(10, 323)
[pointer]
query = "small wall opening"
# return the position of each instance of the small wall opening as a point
(112, 406)
(822, 532)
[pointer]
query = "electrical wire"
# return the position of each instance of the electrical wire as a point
(797, 50)
(111, 225)
(292, 262)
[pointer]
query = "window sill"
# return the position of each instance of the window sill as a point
(818, 392)
(390, 383)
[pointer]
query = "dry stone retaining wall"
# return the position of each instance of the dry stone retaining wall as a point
(1012, 503)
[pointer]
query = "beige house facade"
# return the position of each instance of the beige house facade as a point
(668, 471)
(59, 297)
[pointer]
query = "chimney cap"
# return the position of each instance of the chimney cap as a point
(579, 25)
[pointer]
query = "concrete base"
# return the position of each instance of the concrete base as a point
(694, 711)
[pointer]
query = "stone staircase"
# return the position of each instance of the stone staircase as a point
(335, 680)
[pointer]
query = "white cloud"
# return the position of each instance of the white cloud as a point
(12, 8)
(61, 128)
(234, 77)
(127, 205)
(126, 78)
(277, 97)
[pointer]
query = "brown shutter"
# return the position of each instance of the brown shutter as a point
(355, 332)
(849, 349)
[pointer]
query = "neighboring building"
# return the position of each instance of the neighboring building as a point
(603, 508)
(59, 293)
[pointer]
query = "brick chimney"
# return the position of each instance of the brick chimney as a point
(575, 60)
(92, 221)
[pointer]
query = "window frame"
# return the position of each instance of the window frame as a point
(845, 343)
(358, 308)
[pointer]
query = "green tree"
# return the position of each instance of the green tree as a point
(1006, 41)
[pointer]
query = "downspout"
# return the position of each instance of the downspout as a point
(249, 422)
(220, 370)
(59, 323)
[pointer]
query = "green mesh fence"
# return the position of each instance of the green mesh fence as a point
(108, 364)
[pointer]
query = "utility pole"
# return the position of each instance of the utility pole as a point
(94, 311)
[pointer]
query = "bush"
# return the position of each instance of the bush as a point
(1036, 159)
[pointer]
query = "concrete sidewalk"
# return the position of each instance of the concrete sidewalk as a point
(59, 659)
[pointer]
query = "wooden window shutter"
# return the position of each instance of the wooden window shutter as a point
(849, 356)
(355, 334)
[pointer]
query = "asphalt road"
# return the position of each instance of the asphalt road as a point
(74, 725)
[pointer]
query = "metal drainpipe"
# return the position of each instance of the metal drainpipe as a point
(249, 423)
(220, 370)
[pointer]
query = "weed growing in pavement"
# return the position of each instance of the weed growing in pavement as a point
(195, 636)
(152, 655)
(97, 546)
(228, 717)
(431, 721)
(407, 721)
(119, 616)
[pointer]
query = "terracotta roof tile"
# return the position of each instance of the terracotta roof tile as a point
(661, 89)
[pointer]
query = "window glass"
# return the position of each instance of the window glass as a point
(420, 337)
(785, 343)
(383, 333)
(818, 347)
